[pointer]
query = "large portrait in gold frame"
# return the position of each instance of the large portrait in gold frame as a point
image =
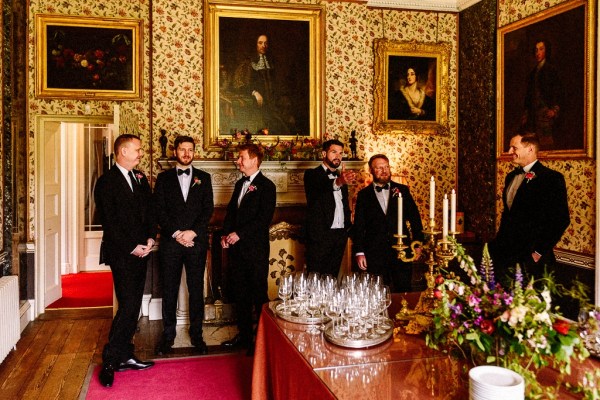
(88, 57)
(411, 87)
(263, 71)
(545, 80)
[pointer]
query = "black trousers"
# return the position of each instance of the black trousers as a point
(325, 255)
(248, 277)
(173, 258)
(129, 277)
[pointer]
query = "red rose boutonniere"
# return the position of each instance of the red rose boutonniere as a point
(252, 188)
(529, 176)
(395, 192)
(197, 181)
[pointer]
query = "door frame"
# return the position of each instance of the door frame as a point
(39, 177)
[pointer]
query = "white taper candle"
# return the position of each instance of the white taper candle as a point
(400, 216)
(431, 198)
(453, 211)
(445, 217)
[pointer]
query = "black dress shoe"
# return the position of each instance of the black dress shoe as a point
(200, 346)
(235, 342)
(107, 375)
(134, 363)
(164, 347)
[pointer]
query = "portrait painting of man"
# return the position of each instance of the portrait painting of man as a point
(264, 76)
(544, 81)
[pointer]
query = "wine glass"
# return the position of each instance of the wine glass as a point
(285, 291)
(313, 307)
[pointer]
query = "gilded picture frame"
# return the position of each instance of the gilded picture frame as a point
(545, 81)
(88, 57)
(410, 89)
(235, 73)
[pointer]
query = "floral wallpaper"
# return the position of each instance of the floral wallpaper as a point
(579, 174)
(173, 95)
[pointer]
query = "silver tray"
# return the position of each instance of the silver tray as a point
(277, 308)
(357, 343)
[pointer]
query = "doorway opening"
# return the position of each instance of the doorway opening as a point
(72, 153)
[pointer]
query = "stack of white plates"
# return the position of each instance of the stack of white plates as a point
(495, 383)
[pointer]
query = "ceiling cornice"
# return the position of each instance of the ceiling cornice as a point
(428, 5)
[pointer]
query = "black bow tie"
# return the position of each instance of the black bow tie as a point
(334, 174)
(519, 170)
(384, 187)
(245, 179)
(183, 171)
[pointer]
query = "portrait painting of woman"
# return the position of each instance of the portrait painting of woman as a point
(411, 92)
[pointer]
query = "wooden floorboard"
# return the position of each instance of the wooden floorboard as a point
(57, 350)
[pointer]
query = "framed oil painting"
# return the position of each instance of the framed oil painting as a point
(411, 87)
(545, 70)
(263, 71)
(88, 58)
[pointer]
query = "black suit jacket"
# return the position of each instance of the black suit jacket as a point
(373, 230)
(536, 221)
(174, 213)
(127, 218)
(320, 203)
(252, 219)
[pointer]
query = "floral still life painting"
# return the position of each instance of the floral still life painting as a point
(513, 327)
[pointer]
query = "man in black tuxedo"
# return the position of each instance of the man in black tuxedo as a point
(327, 210)
(183, 197)
(123, 199)
(535, 214)
(376, 223)
(246, 235)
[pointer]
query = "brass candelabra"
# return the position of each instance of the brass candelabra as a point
(436, 252)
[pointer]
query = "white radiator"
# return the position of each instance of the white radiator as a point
(9, 315)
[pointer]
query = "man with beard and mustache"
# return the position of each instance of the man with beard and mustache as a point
(327, 210)
(183, 198)
(376, 223)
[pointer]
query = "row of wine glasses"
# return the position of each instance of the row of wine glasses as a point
(356, 305)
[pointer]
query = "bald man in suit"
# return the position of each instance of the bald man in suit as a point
(123, 198)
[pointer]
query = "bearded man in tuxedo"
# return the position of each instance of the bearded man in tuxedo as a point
(535, 214)
(123, 199)
(376, 223)
(327, 210)
(246, 235)
(183, 198)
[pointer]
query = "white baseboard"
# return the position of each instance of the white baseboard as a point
(155, 309)
(26, 313)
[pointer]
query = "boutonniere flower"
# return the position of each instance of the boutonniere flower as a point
(139, 176)
(197, 181)
(395, 192)
(252, 188)
(529, 176)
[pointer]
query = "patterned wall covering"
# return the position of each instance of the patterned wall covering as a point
(477, 118)
(175, 103)
(580, 175)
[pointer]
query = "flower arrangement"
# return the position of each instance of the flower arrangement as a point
(514, 328)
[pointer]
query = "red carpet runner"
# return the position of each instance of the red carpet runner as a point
(86, 289)
(223, 377)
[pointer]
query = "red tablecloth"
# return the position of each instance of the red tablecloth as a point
(290, 363)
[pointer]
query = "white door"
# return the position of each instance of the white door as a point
(52, 215)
